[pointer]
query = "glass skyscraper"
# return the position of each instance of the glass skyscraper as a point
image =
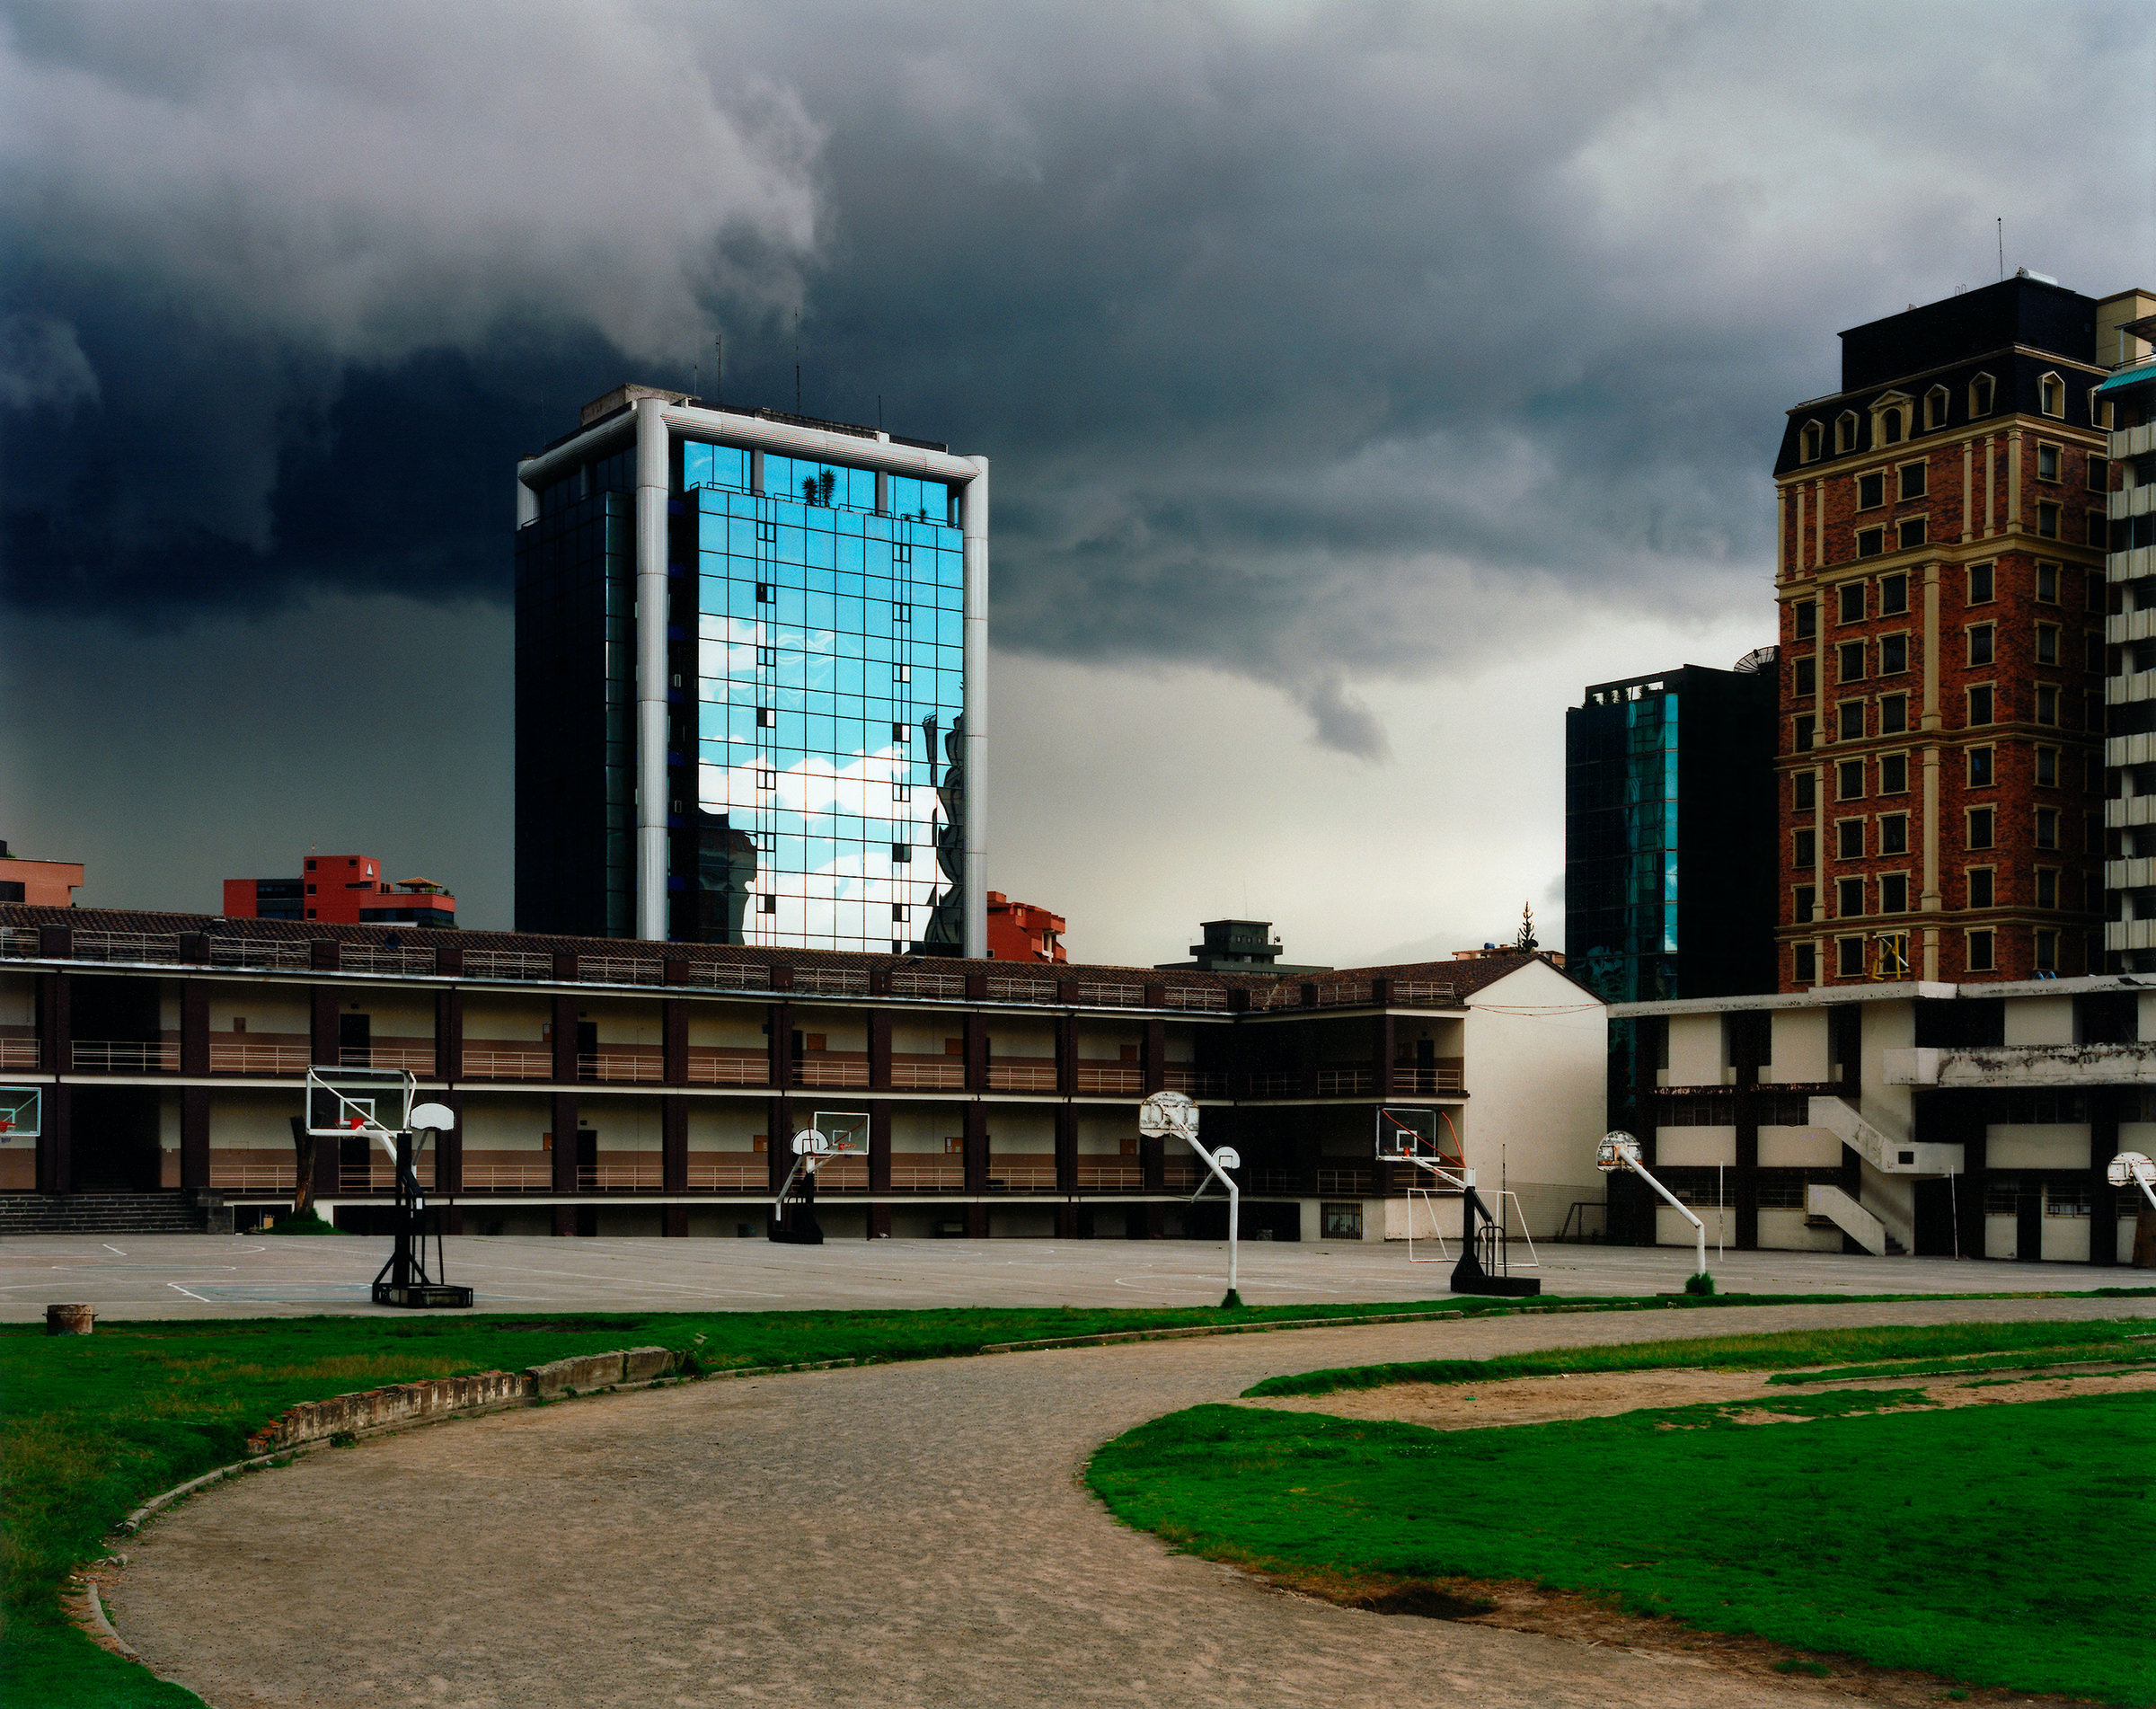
(790, 752)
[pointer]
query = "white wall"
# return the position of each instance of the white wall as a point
(1536, 1064)
(1695, 1051)
(1695, 1147)
(1799, 1046)
(2036, 1145)
(2045, 1020)
(1782, 1147)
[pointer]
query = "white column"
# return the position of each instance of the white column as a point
(652, 491)
(527, 502)
(975, 501)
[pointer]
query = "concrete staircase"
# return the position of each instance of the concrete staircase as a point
(1826, 1203)
(114, 1213)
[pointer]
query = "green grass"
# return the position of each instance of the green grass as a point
(1782, 1350)
(2133, 1353)
(1928, 1539)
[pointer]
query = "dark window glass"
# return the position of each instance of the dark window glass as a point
(1802, 904)
(1849, 898)
(2048, 767)
(1804, 733)
(1894, 596)
(1803, 791)
(1849, 839)
(1894, 654)
(1980, 768)
(2047, 521)
(1807, 619)
(1894, 773)
(2047, 887)
(1980, 887)
(1853, 602)
(1913, 481)
(1807, 676)
(2100, 475)
(1980, 706)
(2047, 583)
(1851, 660)
(1893, 834)
(2048, 463)
(2048, 644)
(1894, 715)
(1979, 828)
(1980, 952)
(1852, 721)
(2047, 828)
(1871, 489)
(1804, 964)
(1871, 542)
(1849, 780)
(1909, 532)
(1852, 957)
(1980, 584)
(1980, 643)
(1804, 850)
(1893, 894)
(2047, 703)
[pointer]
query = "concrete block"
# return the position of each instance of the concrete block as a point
(584, 1373)
(642, 1364)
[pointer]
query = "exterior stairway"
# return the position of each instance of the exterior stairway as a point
(1828, 1204)
(114, 1213)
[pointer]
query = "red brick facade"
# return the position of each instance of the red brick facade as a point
(1942, 680)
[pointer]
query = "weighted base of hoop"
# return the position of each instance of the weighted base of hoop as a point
(1469, 1277)
(423, 1296)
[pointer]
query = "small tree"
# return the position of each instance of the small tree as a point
(303, 1163)
(1526, 939)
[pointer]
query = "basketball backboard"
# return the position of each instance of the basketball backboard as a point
(374, 1102)
(1167, 1115)
(845, 1131)
(19, 1110)
(1415, 1135)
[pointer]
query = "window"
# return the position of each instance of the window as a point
(1802, 904)
(1852, 715)
(1803, 791)
(1935, 408)
(1807, 619)
(2047, 644)
(2047, 887)
(1894, 655)
(1893, 834)
(1894, 715)
(2051, 395)
(1852, 957)
(1804, 966)
(1850, 661)
(767, 778)
(767, 718)
(1980, 887)
(1894, 596)
(1870, 542)
(2047, 583)
(1871, 490)
(1894, 893)
(902, 612)
(1980, 768)
(2047, 521)
(1980, 826)
(2099, 531)
(1894, 773)
(763, 593)
(1849, 780)
(1849, 839)
(2100, 408)
(2048, 767)
(767, 658)
(1980, 644)
(1852, 596)
(768, 903)
(1890, 426)
(1814, 441)
(2047, 703)
(897, 910)
(1807, 677)
(1909, 532)
(1804, 849)
(2047, 461)
(2100, 473)
(902, 854)
(1976, 953)
(1980, 584)
(1981, 390)
(1845, 431)
(902, 792)
(1849, 898)
(901, 733)
(1804, 733)
(1913, 479)
(2047, 828)
(1980, 704)
(2047, 952)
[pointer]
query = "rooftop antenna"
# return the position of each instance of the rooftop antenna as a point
(796, 361)
(2001, 224)
(718, 369)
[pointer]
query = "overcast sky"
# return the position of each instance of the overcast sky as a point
(1360, 381)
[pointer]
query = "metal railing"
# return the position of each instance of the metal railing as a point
(508, 1177)
(1007, 991)
(508, 1065)
(1420, 991)
(824, 981)
(1282, 994)
(913, 1174)
(1022, 1173)
(1347, 1184)
(1103, 1079)
(258, 1058)
(1097, 1176)
(378, 1175)
(1347, 1082)
(923, 1076)
(729, 1070)
(750, 1174)
(1286, 1181)
(621, 969)
(1276, 1084)
(1425, 1081)
(250, 1177)
(850, 1174)
(18, 940)
(506, 964)
(363, 958)
(1021, 1076)
(1195, 997)
(1196, 1083)
(19, 1053)
(1179, 1175)
(1112, 996)
(825, 1072)
(730, 976)
(623, 1065)
(123, 1056)
(281, 955)
(1333, 992)
(126, 946)
(641, 1176)
(927, 984)
(418, 1059)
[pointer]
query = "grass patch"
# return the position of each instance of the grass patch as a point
(2134, 1351)
(1924, 1539)
(310, 1223)
(1782, 1350)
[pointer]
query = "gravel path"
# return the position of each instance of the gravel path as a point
(899, 1534)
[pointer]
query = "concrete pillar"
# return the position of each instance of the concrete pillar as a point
(194, 1026)
(56, 1162)
(653, 484)
(975, 508)
(565, 1143)
(977, 1147)
(673, 1023)
(449, 1147)
(1155, 1054)
(674, 1157)
(448, 1034)
(194, 1137)
(322, 1027)
(976, 1053)
(564, 1040)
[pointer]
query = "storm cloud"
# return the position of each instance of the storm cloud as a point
(1330, 349)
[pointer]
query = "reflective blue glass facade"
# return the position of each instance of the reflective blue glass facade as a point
(829, 648)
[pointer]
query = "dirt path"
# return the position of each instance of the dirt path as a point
(896, 1535)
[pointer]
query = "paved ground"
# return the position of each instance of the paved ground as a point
(248, 1275)
(899, 1534)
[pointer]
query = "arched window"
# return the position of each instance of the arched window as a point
(1814, 441)
(2051, 395)
(1935, 408)
(1845, 431)
(1890, 426)
(1981, 389)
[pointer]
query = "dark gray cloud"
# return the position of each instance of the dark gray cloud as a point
(1328, 346)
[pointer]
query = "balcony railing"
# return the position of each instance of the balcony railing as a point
(746, 1174)
(124, 1056)
(824, 981)
(1022, 1173)
(927, 984)
(926, 1076)
(916, 1174)
(730, 976)
(1109, 1080)
(828, 1073)
(1022, 990)
(126, 946)
(249, 1177)
(1197, 1083)
(536, 1064)
(258, 1058)
(1425, 1081)
(621, 969)
(644, 1175)
(1195, 997)
(1422, 992)
(1347, 1082)
(378, 1175)
(18, 940)
(416, 1059)
(1021, 1076)
(747, 1070)
(18, 1053)
(506, 964)
(1286, 1181)
(1109, 1175)
(363, 958)
(509, 1177)
(1112, 996)
(1347, 1184)
(621, 1065)
(279, 953)
(1276, 1084)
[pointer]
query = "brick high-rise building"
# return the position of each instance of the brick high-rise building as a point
(1940, 567)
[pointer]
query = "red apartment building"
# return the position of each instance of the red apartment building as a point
(1939, 566)
(341, 890)
(1020, 932)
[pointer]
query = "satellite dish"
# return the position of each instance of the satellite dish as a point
(439, 1117)
(1167, 1115)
